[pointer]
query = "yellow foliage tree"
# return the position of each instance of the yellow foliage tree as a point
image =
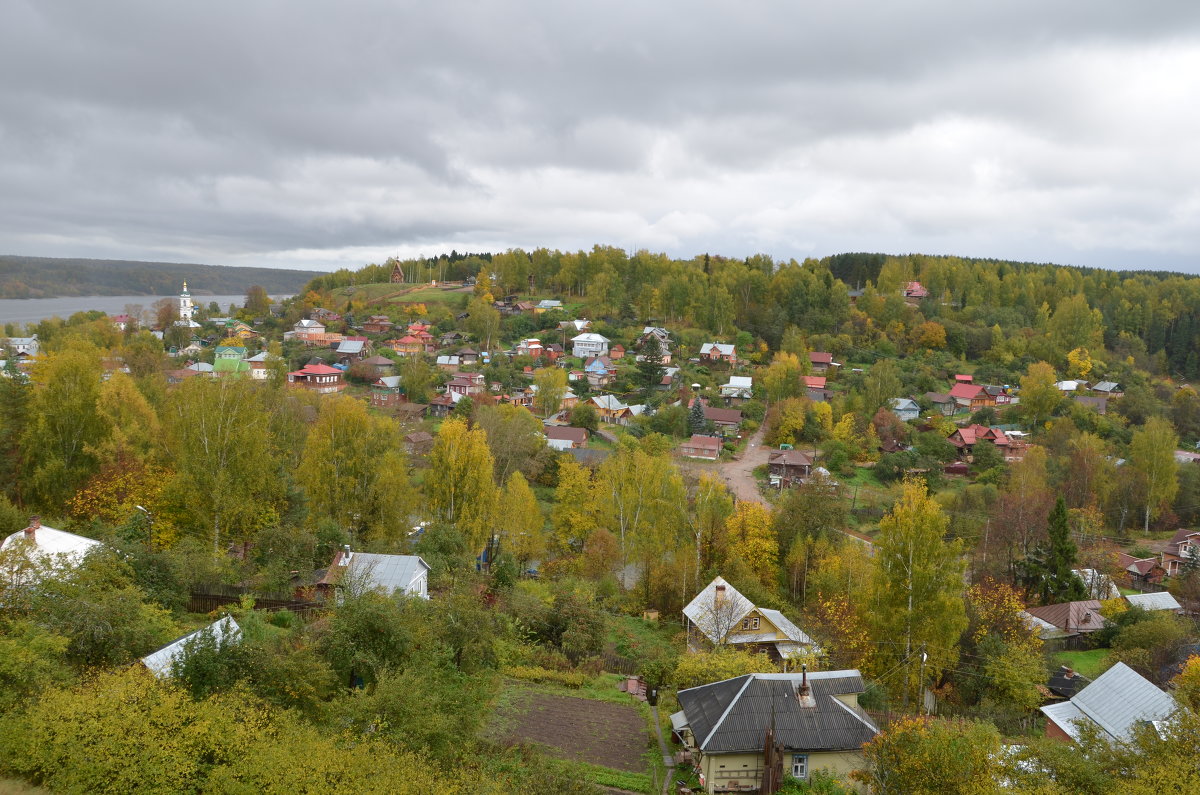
(752, 538)
(1079, 363)
(574, 513)
(459, 486)
(522, 526)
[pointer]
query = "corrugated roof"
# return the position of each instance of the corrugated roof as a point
(786, 627)
(51, 541)
(1081, 616)
(714, 619)
(734, 715)
(1154, 601)
(1120, 698)
(159, 662)
(388, 573)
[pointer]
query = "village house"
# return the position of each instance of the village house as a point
(468, 356)
(943, 403)
(1155, 600)
(748, 733)
(530, 347)
(562, 437)
(452, 338)
(1108, 389)
(1070, 386)
(718, 352)
(448, 361)
(444, 403)
(706, 447)
(1066, 619)
(385, 392)
(914, 293)
(260, 365)
(122, 322)
(467, 384)
(1117, 702)
(308, 329)
(1149, 571)
(589, 344)
(611, 410)
(575, 326)
(599, 371)
(1095, 403)
(418, 443)
(223, 632)
(726, 421)
(377, 324)
(966, 438)
(547, 305)
(616, 352)
(721, 616)
(814, 388)
(352, 349)
(326, 315)
(320, 378)
(904, 408)
(364, 571)
(50, 544)
(820, 362)
(788, 468)
(970, 397)
(739, 389)
(380, 365)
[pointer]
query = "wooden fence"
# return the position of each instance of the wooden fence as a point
(206, 599)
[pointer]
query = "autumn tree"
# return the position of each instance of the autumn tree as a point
(459, 486)
(1152, 455)
(521, 524)
(551, 384)
(917, 587)
(64, 425)
(354, 471)
(782, 379)
(709, 506)
(933, 757)
(416, 376)
(227, 477)
(575, 513)
(752, 538)
(515, 438)
(639, 495)
(1039, 395)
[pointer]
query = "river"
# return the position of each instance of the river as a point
(21, 311)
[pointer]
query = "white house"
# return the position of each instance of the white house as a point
(23, 346)
(905, 409)
(589, 344)
(306, 328)
(738, 388)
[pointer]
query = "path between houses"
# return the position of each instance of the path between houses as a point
(668, 760)
(739, 476)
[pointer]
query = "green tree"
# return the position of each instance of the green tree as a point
(522, 526)
(16, 393)
(416, 376)
(782, 379)
(1152, 454)
(583, 415)
(258, 303)
(881, 385)
(227, 476)
(63, 425)
(515, 438)
(551, 384)
(650, 364)
(917, 588)
(353, 471)
(934, 757)
(459, 485)
(696, 419)
(1039, 395)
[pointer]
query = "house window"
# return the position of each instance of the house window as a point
(749, 623)
(800, 766)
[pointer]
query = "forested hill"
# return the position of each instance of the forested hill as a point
(49, 277)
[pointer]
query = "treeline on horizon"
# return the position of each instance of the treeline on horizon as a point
(52, 277)
(1150, 319)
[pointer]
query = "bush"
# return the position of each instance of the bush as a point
(534, 673)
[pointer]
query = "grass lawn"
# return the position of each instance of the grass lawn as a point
(1128, 591)
(1090, 663)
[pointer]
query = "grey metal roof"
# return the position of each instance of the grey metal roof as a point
(386, 572)
(1154, 601)
(159, 662)
(1118, 700)
(715, 619)
(350, 346)
(734, 714)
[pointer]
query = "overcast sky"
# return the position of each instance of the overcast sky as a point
(322, 134)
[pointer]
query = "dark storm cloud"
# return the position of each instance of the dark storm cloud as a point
(313, 133)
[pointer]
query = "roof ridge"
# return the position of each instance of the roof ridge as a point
(728, 707)
(861, 718)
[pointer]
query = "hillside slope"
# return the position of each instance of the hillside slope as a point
(49, 277)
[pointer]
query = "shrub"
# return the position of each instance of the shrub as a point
(534, 673)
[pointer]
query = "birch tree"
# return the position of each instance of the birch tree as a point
(1152, 453)
(917, 587)
(459, 486)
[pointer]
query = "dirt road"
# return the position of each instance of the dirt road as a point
(739, 475)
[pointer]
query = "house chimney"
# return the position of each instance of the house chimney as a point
(719, 596)
(804, 693)
(1068, 672)
(346, 555)
(34, 523)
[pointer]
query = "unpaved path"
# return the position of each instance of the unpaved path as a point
(739, 474)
